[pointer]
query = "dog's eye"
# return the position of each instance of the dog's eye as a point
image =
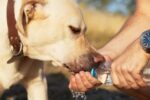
(75, 30)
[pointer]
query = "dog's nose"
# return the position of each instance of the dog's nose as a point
(92, 60)
(97, 60)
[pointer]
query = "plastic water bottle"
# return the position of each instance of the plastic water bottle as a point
(146, 75)
(103, 74)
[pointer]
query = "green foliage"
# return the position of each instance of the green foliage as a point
(116, 6)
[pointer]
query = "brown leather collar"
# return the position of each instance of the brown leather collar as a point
(13, 36)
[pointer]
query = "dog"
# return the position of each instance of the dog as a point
(43, 30)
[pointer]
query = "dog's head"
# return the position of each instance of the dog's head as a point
(53, 30)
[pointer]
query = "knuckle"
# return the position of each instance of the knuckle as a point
(129, 71)
(83, 89)
(113, 66)
(136, 75)
(87, 85)
(93, 81)
(73, 83)
(73, 86)
(135, 86)
(123, 70)
(141, 84)
(121, 85)
(116, 84)
(125, 86)
(118, 69)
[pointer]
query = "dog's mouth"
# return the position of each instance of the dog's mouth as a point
(84, 63)
(77, 69)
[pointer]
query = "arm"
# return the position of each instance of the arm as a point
(132, 29)
(126, 69)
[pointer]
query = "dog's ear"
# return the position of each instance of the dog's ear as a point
(28, 12)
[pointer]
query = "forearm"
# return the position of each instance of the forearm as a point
(131, 30)
(143, 7)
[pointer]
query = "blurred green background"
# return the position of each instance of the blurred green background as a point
(104, 18)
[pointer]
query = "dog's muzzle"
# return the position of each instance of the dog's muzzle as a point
(85, 62)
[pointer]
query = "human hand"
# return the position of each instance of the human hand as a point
(83, 82)
(126, 69)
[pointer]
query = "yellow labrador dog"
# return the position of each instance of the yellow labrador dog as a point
(49, 30)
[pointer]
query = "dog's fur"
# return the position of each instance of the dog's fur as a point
(48, 34)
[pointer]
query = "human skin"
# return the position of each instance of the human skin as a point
(117, 51)
(126, 69)
(128, 57)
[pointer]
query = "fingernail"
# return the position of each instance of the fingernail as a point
(81, 72)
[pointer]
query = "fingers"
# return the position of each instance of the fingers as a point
(139, 79)
(130, 80)
(82, 82)
(73, 85)
(76, 84)
(114, 75)
(92, 80)
(85, 80)
(126, 77)
(121, 81)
